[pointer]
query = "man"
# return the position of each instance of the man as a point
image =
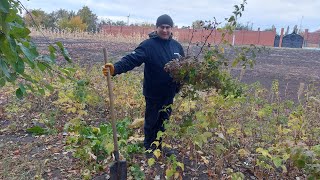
(158, 87)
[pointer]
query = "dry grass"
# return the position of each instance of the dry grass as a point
(135, 38)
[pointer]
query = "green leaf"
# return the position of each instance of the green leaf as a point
(12, 78)
(19, 67)
(277, 161)
(231, 19)
(8, 48)
(2, 81)
(62, 79)
(316, 149)
(235, 63)
(4, 68)
(237, 176)
(23, 89)
(64, 52)
(4, 6)
(19, 93)
(31, 88)
(41, 66)
(41, 91)
(82, 82)
(49, 87)
(300, 163)
(19, 31)
(30, 55)
(29, 78)
(52, 51)
(36, 130)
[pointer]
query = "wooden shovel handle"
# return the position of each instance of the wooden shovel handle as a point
(113, 121)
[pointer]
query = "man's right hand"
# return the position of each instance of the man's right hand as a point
(106, 67)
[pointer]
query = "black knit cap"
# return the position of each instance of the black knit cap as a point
(164, 19)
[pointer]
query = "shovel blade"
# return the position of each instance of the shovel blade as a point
(118, 170)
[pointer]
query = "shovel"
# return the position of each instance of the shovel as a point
(118, 169)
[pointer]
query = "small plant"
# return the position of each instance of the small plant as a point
(94, 145)
(136, 172)
(174, 168)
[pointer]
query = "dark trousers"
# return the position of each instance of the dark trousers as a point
(157, 111)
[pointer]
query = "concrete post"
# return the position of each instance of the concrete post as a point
(305, 38)
(258, 36)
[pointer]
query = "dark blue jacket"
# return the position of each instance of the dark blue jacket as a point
(154, 53)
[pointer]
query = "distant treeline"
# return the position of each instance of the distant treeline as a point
(83, 20)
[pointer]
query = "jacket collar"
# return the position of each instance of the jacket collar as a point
(154, 35)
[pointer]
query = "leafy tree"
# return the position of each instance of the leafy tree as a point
(198, 24)
(62, 13)
(88, 17)
(52, 20)
(241, 26)
(39, 17)
(144, 24)
(63, 23)
(119, 23)
(61, 18)
(76, 23)
(105, 22)
(19, 57)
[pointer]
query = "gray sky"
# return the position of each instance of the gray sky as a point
(258, 13)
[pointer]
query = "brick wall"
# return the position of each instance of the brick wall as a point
(311, 39)
(242, 37)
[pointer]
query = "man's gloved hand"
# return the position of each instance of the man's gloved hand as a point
(106, 67)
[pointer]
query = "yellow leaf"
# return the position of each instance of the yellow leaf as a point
(136, 138)
(222, 50)
(73, 110)
(284, 169)
(82, 112)
(166, 145)
(243, 152)
(176, 175)
(151, 161)
(109, 147)
(231, 130)
(95, 130)
(205, 160)
(181, 165)
(157, 153)
(169, 172)
(155, 143)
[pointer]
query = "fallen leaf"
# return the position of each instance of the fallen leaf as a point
(136, 138)
(137, 123)
(205, 160)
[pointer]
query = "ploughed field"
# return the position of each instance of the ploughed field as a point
(291, 67)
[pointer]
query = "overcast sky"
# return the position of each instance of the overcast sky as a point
(258, 13)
